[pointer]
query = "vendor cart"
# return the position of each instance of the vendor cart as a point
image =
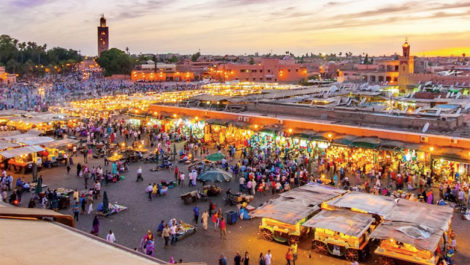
(342, 233)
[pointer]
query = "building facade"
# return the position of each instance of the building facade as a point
(264, 70)
(6, 78)
(103, 36)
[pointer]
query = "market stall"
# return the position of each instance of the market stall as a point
(412, 232)
(282, 218)
(342, 233)
(22, 159)
(362, 203)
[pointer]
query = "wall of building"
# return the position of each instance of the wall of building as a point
(266, 70)
(355, 117)
(301, 125)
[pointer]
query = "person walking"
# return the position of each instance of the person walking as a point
(223, 228)
(289, 257)
(246, 259)
(149, 191)
(110, 237)
(205, 219)
(293, 248)
(96, 226)
(262, 261)
(196, 214)
(76, 210)
(173, 234)
(237, 259)
(222, 260)
(166, 235)
(79, 168)
(139, 175)
(268, 258)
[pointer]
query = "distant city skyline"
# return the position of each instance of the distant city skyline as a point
(244, 26)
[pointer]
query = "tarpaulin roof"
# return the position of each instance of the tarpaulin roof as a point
(286, 211)
(313, 193)
(343, 221)
(60, 143)
(21, 151)
(35, 140)
(419, 224)
(9, 133)
(369, 203)
(297, 203)
(5, 145)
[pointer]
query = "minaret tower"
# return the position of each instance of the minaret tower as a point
(406, 67)
(103, 36)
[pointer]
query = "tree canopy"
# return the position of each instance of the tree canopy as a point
(115, 61)
(30, 58)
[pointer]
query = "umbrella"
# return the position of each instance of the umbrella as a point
(105, 203)
(39, 186)
(215, 157)
(216, 175)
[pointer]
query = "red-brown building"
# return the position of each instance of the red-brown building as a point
(263, 70)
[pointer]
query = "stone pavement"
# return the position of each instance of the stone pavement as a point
(206, 246)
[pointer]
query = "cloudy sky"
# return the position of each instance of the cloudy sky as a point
(242, 26)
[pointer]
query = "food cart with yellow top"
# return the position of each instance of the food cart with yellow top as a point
(22, 159)
(283, 218)
(412, 233)
(342, 233)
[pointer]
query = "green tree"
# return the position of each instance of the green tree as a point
(195, 56)
(115, 61)
(252, 61)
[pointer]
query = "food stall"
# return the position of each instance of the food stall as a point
(115, 157)
(342, 233)
(412, 232)
(361, 202)
(56, 149)
(282, 218)
(22, 159)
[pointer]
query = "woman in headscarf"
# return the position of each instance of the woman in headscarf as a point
(96, 226)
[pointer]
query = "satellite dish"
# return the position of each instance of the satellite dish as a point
(439, 96)
(458, 95)
(362, 101)
(466, 107)
(418, 110)
(458, 111)
(419, 87)
(438, 113)
(448, 95)
(426, 127)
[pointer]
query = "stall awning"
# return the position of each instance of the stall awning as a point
(21, 151)
(344, 140)
(35, 140)
(366, 142)
(343, 221)
(386, 144)
(5, 145)
(60, 143)
(217, 122)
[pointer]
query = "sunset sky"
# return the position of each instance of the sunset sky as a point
(243, 26)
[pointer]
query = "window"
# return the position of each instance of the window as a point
(296, 70)
(254, 79)
(253, 71)
(269, 70)
(242, 70)
(288, 70)
(261, 70)
(268, 78)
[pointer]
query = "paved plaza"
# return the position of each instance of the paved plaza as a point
(206, 246)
